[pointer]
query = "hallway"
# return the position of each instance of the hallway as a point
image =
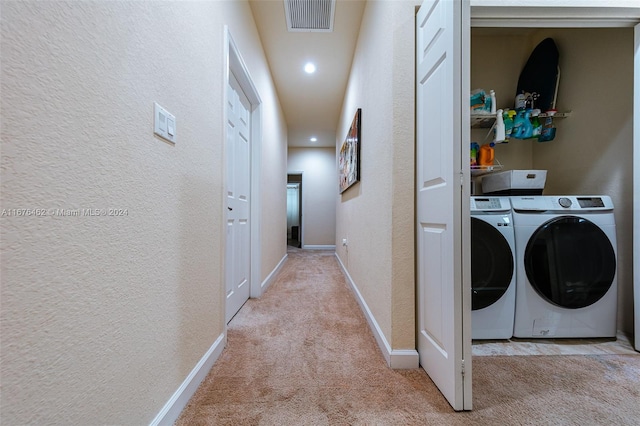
(113, 246)
(304, 354)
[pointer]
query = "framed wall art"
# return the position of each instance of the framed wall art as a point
(349, 156)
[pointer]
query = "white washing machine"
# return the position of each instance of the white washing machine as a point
(493, 284)
(565, 266)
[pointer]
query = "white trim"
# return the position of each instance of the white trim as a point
(172, 409)
(553, 15)
(239, 67)
(552, 23)
(395, 358)
(404, 359)
(319, 247)
(465, 224)
(256, 201)
(271, 277)
(636, 185)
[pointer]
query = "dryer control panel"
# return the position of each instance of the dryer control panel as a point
(562, 203)
(589, 202)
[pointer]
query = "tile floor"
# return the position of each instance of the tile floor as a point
(514, 346)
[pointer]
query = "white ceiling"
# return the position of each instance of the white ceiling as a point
(311, 102)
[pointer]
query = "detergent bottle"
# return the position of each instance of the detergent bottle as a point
(486, 154)
(508, 123)
(527, 127)
(518, 125)
(474, 154)
(535, 123)
(548, 131)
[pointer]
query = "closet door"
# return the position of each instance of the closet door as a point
(442, 199)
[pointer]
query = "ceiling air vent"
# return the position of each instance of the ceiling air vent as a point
(310, 15)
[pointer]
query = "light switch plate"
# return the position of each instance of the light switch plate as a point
(164, 123)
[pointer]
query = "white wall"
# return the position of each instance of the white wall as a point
(104, 317)
(319, 189)
(376, 215)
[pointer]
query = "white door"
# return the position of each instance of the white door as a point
(442, 201)
(237, 261)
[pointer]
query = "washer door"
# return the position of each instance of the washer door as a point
(570, 262)
(491, 264)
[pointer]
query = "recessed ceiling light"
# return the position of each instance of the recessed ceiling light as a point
(313, 139)
(310, 68)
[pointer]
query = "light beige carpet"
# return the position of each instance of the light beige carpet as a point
(304, 355)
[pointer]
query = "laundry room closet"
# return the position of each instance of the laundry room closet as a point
(592, 152)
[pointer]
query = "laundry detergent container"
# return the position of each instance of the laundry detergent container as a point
(515, 182)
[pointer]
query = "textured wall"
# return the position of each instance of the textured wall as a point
(103, 317)
(273, 181)
(497, 57)
(376, 215)
(319, 189)
(403, 177)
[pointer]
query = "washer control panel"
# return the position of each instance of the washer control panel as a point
(490, 204)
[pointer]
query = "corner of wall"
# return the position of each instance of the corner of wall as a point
(396, 359)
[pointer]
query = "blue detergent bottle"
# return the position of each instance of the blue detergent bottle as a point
(527, 126)
(548, 132)
(518, 125)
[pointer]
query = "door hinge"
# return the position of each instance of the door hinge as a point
(461, 179)
(462, 369)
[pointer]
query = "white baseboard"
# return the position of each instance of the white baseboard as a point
(319, 247)
(397, 359)
(267, 281)
(172, 409)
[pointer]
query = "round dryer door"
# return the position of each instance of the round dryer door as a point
(570, 262)
(491, 264)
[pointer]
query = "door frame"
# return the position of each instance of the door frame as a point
(566, 14)
(578, 14)
(236, 65)
(636, 185)
(296, 186)
(300, 204)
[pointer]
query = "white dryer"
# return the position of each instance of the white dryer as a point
(565, 266)
(493, 283)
